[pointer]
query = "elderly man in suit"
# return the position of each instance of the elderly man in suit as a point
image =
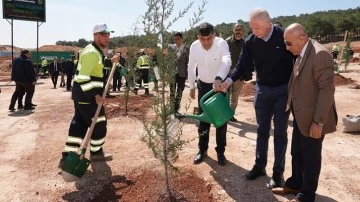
(311, 101)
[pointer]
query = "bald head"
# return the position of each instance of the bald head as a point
(295, 38)
(296, 29)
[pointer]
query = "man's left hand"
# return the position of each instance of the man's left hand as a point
(217, 85)
(315, 131)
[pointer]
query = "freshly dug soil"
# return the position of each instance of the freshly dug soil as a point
(149, 185)
(137, 106)
(341, 80)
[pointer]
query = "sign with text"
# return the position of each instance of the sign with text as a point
(32, 10)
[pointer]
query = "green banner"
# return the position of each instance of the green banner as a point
(32, 10)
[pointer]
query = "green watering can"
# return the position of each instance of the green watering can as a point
(216, 109)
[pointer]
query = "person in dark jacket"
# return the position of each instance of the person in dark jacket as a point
(62, 72)
(69, 70)
(265, 52)
(23, 74)
(54, 71)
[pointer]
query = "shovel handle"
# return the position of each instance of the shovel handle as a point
(90, 130)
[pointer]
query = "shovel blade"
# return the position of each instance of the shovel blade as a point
(74, 167)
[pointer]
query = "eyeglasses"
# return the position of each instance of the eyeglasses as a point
(238, 29)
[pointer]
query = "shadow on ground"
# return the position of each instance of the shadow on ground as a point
(228, 178)
(98, 185)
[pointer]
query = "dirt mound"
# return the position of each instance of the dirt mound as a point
(5, 65)
(355, 59)
(247, 90)
(341, 80)
(148, 185)
(137, 106)
(8, 48)
(59, 48)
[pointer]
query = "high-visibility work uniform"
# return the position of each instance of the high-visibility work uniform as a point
(88, 82)
(143, 69)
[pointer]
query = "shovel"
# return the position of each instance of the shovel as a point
(76, 164)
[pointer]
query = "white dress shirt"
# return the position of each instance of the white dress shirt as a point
(210, 63)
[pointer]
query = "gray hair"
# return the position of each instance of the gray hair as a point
(259, 14)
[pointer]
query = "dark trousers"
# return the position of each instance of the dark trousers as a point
(62, 82)
(335, 54)
(271, 102)
(306, 164)
(204, 128)
(81, 121)
(142, 75)
(20, 89)
(54, 78)
(116, 81)
(68, 81)
(178, 88)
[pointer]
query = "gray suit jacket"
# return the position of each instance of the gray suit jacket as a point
(182, 56)
(312, 90)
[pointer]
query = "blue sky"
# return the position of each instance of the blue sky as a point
(74, 19)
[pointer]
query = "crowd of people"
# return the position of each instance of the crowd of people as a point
(294, 74)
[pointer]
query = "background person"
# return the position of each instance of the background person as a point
(182, 59)
(54, 71)
(23, 74)
(235, 43)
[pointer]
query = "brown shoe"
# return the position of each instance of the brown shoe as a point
(284, 191)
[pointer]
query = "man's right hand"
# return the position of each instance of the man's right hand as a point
(99, 100)
(225, 85)
(192, 93)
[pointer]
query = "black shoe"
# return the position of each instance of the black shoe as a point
(200, 157)
(29, 108)
(101, 157)
(276, 181)
(20, 107)
(11, 109)
(233, 119)
(221, 159)
(34, 105)
(254, 173)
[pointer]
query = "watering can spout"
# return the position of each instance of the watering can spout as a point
(202, 117)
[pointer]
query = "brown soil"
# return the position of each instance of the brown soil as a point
(341, 80)
(148, 185)
(137, 106)
(247, 90)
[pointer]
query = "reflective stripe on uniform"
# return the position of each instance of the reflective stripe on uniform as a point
(83, 103)
(101, 119)
(77, 140)
(95, 149)
(81, 78)
(91, 85)
(97, 142)
(70, 148)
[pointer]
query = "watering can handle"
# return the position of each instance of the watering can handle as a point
(210, 93)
